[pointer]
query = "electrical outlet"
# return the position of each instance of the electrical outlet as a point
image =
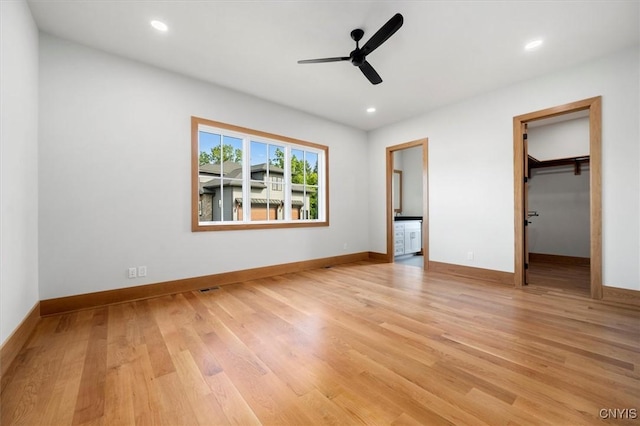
(142, 271)
(469, 255)
(133, 272)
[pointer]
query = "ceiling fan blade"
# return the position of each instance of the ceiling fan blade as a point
(386, 31)
(370, 73)
(321, 60)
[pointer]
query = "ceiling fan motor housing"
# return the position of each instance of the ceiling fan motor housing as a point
(357, 57)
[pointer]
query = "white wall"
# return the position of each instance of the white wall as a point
(18, 165)
(561, 199)
(565, 139)
(397, 160)
(411, 181)
(115, 176)
(471, 167)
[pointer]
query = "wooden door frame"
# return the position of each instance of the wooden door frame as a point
(424, 143)
(594, 107)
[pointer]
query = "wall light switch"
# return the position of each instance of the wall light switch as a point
(469, 255)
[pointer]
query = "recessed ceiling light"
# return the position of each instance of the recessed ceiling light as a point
(159, 25)
(533, 44)
(371, 109)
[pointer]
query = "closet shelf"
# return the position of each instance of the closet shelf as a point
(576, 162)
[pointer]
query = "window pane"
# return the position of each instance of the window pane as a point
(276, 157)
(311, 168)
(208, 174)
(259, 211)
(258, 153)
(233, 200)
(259, 159)
(231, 157)
(206, 144)
(299, 201)
(312, 192)
(267, 175)
(297, 166)
(304, 189)
(275, 180)
(226, 207)
(221, 200)
(206, 206)
(266, 209)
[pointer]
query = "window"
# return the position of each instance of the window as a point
(277, 183)
(247, 179)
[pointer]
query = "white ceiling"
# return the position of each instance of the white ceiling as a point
(446, 50)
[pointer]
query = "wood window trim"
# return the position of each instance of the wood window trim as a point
(196, 226)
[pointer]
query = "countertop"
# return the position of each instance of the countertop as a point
(401, 218)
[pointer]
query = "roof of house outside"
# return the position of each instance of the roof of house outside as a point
(232, 169)
(227, 167)
(215, 183)
(263, 168)
(233, 176)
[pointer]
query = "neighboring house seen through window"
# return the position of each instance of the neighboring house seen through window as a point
(247, 179)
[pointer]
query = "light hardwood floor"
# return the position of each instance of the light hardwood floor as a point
(562, 278)
(361, 343)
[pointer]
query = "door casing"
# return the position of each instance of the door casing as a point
(594, 107)
(424, 143)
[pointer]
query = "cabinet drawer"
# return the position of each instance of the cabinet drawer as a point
(399, 235)
(399, 250)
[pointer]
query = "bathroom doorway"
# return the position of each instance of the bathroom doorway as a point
(406, 210)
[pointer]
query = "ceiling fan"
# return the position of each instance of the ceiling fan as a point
(358, 57)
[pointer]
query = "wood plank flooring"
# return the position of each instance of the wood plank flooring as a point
(364, 343)
(569, 279)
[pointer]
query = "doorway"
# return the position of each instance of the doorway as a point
(521, 167)
(392, 210)
(558, 228)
